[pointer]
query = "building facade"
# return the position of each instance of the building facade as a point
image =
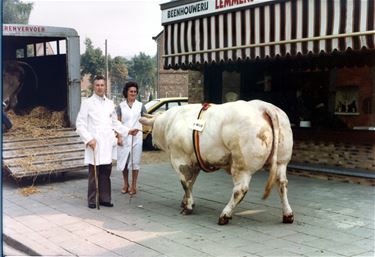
(315, 59)
(170, 83)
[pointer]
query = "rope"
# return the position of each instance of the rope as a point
(131, 154)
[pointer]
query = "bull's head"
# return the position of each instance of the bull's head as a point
(147, 120)
(155, 123)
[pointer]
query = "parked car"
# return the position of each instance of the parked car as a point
(158, 106)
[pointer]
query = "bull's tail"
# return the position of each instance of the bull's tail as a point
(272, 114)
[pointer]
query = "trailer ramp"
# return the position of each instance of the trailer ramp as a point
(60, 150)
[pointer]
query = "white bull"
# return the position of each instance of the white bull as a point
(240, 137)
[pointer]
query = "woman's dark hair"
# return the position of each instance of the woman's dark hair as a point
(127, 86)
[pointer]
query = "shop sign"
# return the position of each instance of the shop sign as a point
(204, 7)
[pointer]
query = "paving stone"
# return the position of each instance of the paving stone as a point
(277, 252)
(331, 218)
(322, 252)
(170, 248)
(35, 222)
(365, 254)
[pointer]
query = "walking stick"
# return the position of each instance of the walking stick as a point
(131, 153)
(96, 183)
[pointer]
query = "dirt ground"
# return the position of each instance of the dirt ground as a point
(151, 157)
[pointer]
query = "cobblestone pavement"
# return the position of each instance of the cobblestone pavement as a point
(332, 218)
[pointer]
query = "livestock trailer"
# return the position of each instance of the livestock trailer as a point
(53, 55)
(49, 58)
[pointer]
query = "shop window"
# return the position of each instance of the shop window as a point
(346, 101)
(231, 86)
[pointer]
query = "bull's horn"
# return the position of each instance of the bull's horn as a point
(148, 115)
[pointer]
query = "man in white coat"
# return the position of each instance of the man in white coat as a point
(96, 124)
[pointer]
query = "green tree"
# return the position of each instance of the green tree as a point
(142, 68)
(93, 60)
(15, 11)
(118, 70)
(118, 73)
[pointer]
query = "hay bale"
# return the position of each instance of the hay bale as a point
(40, 112)
(58, 119)
(37, 123)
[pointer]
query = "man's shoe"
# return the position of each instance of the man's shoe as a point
(92, 205)
(106, 204)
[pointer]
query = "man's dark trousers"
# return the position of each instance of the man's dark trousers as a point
(104, 173)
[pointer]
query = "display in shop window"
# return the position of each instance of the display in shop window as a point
(347, 101)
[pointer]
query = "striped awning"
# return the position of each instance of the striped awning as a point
(277, 28)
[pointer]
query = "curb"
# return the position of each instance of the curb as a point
(19, 246)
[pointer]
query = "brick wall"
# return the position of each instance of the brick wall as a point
(170, 82)
(173, 83)
(355, 156)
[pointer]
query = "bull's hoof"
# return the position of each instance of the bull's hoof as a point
(186, 211)
(224, 220)
(183, 205)
(288, 219)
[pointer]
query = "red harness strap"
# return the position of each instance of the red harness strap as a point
(201, 163)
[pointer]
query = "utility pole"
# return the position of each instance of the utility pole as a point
(106, 71)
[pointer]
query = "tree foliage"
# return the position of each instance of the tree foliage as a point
(118, 70)
(15, 11)
(142, 68)
(93, 60)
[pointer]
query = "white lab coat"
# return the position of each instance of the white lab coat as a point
(130, 118)
(97, 119)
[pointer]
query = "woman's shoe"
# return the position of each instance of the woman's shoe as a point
(125, 190)
(133, 191)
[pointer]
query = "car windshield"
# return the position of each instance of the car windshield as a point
(150, 104)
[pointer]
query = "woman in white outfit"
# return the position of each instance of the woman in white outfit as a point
(129, 148)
